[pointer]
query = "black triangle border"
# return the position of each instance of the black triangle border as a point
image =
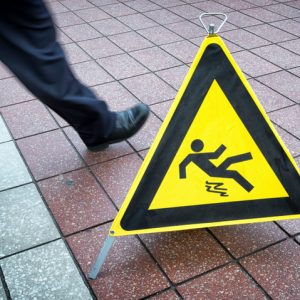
(213, 65)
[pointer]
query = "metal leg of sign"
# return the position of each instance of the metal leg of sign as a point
(101, 257)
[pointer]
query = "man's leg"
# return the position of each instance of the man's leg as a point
(29, 48)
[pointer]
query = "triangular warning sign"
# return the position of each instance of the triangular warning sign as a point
(216, 160)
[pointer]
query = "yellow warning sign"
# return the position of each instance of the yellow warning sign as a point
(216, 160)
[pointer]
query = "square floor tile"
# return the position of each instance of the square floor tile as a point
(186, 11)
(244, 39)
(244, 239)
(174, 76)
(114, 150)
(187, 29)
(2, 292)
(116, 176)
(4, 71)
(130, 41)
(101, 47)
(101, 3)
(279, 56)
(81, 32)
(295, 71)
(62, 38)
(229, 282)
(110, 26)
(128, 271)
(262, 14)
(90, 73)
(92, 14)
(290, 26)
(49, 154)
(185, 51)
(237, 4)
(142, 5)
(46, 272)
(168, 3)
(269, 99)
(137, 21)
(167, 295)
(161, 109)
(163, 16)
(55, 7)
(293, 46)
(4, 134)
(291, 226)
(25, 220)
(271, 33)
(61, 122)
(159, 35)
(77, 201)
(292, 143)
(284, 83)
(284, 10)
(185, 254)
(209, 6)
(76, 4)
(67, 19)
(122, 66)
(13, 171)
(141, 85)
(118, 10)
(75, 54)
(12, 92)
(28, 118)
(144, 138)
(253, 65)
(277, 270)
(155, 58)
(288, 118)
(241, 20)
(115, 95)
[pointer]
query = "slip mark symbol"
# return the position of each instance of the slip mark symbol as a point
(214, 187)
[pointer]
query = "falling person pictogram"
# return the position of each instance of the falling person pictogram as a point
(202, 160)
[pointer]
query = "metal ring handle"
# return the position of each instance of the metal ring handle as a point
(211, 28)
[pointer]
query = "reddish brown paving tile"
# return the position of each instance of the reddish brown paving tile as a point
(137, 21)
(141, 85)
(277, 270)
(130, 41)
(49, 154)
(279, 117)
(61, 122)
(92, 14)
(12, 92)
(113, 151)
(144, 138)
(90, 73)
(110, 26)
(174, 76)
(81, 32)
(122, 66)
(161, 109)
(269, 99)
(77, 201)
(229, 282)
(25, 119)
(115, 95)
(117, 175)
(128, 272)
(155, 58)
(243, 239)
(163, 16)
(187, 29)
(185, 254)
(167, 295)
(100, 47)
(291, 226)
(185, 51)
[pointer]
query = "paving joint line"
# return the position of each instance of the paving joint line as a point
(4, 285)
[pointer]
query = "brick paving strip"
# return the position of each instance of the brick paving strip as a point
(57, 200)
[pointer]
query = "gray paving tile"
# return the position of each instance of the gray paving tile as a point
(187, 29)
(67, 19)
(241, 20)
(110, 26)
(117, 10)
(2, 292)
(284, 10)
(288, 118)
(237, 4)
(289, 26)
(293, 46)
(81, 32)
(75, 54)
(92, 14)
(209, 6)
(279, 56)
(137, 21)
(253, 65)
(163, 16)
(186, 11)
(25, 221)
(295, 71)
(4, 72)
(76, 4)
(4, 134)
(13, 171)
(174, 76)
(47, 272)
(263, 14)
(142, 5)
(284, 83)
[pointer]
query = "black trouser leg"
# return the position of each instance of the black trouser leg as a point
(29, 48)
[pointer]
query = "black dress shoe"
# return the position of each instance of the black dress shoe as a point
(128, 122)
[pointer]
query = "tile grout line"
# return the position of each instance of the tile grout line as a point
(4, 285)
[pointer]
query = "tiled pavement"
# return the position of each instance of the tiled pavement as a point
(57, 200)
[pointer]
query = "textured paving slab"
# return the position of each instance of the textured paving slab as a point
(25, 221)
(4, 134)
(2, 292)
(47, 272)
(13, 171)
